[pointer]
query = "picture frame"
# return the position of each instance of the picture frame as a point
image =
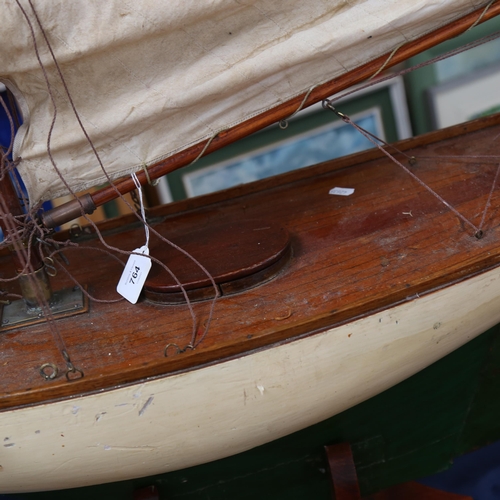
(420, 81)
(312, 136)
(465, 98)
(305, 149)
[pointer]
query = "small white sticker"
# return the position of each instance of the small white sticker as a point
(134, 275)
(341, 191)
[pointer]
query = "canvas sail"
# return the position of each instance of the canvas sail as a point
(150, 78)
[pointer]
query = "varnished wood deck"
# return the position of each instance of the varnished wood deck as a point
(383, 245)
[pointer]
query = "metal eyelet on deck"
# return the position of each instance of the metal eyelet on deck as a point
(49, 371)
(73, 373)
(177, 348)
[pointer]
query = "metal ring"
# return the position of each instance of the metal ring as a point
(283, 124)
(49, 265)
(49, 375)
(171, 344)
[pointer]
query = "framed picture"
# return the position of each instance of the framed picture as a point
(318, 145)
(460, 66)
(465, 98)
(314, 135)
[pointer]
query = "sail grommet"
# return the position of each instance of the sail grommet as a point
(49, 371)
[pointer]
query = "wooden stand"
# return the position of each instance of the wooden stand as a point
(345, 481)
(148, 493)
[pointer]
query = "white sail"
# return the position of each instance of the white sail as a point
(149, 78)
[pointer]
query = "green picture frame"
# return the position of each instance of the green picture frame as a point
(466, 98)
(385, 103)
(420, 82)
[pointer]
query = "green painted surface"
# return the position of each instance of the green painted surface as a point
(482, 424)
(409, 431)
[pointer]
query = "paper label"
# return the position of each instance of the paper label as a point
(341, 191)
(134, 275)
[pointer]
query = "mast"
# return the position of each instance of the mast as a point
(38, 300)
(65, 213)
(33, 279)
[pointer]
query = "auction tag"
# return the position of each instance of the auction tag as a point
(341, 191)
(134, 275)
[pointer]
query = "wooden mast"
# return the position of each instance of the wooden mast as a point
(33, 279)
(30, 268)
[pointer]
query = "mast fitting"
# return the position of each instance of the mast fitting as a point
(69, 211)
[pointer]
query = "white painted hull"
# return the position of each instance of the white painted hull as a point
(202, 415)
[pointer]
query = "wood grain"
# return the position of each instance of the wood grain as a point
(352, 256)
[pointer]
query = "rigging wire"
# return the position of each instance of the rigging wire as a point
(478, 231)
(372, 81)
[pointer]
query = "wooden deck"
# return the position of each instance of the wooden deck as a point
(351, 256)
